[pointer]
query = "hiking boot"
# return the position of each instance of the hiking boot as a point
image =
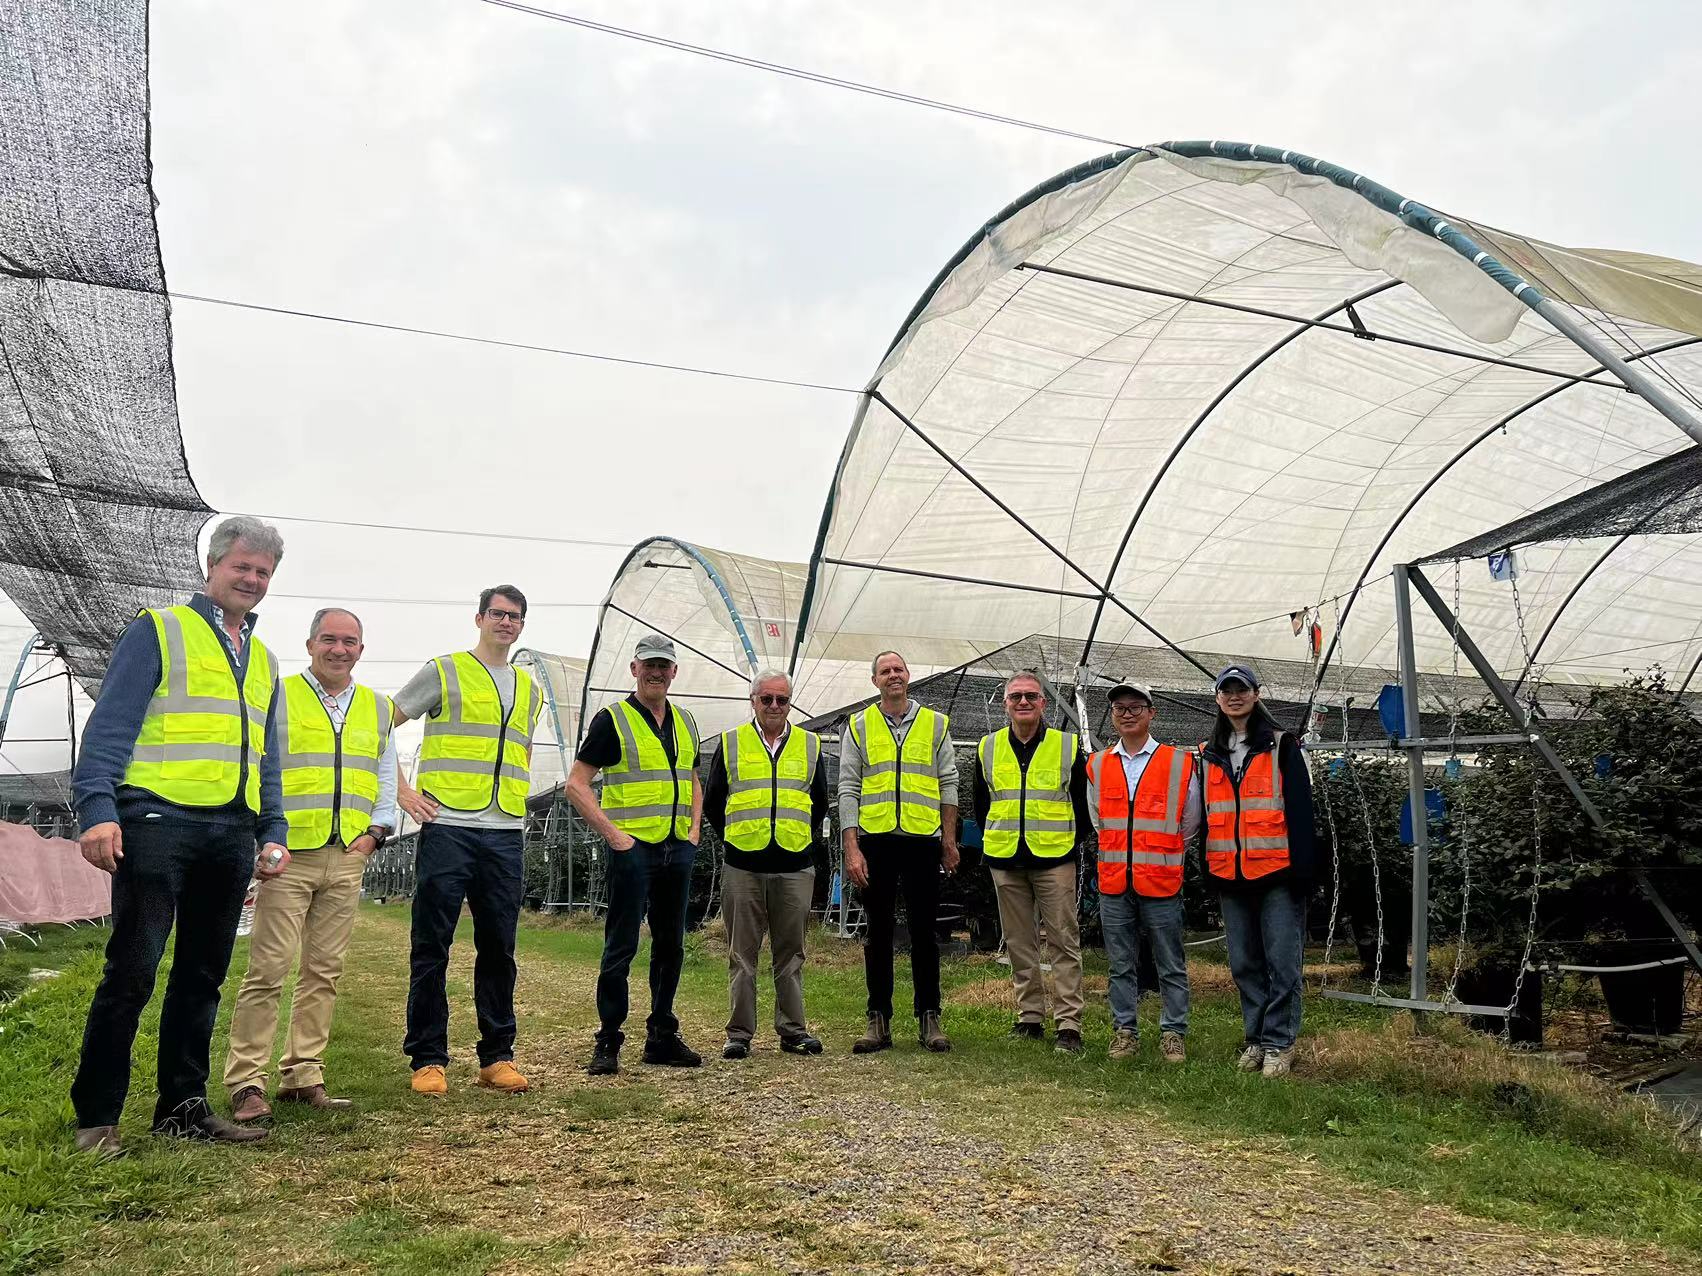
(671, 1051)
(504, 1077)
(313, 1096)
(1171, 1046)
(931, 1035)
(736, 1049)
(102, 1140)
(1030, 1031)
(877, 1036)
(803, 1043)
(1068, 1041)
(605, 1058)
(1278, 1063)
(1251, 1060)
(1125, 1043)
(249, 1104)
(430, 1080)
(194, 1120)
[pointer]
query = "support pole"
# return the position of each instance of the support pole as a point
(12, 686)
(1415, 787)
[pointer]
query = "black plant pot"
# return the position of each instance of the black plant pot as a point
(1646, 1000)
(1493, 986)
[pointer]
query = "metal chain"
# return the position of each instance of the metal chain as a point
(1376, 873)
(1536, 820)
(1462, 843)
(1330, 817)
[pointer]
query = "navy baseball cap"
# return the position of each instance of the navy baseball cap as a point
(1236, 673)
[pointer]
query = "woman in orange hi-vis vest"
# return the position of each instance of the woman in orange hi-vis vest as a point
(1259, 855)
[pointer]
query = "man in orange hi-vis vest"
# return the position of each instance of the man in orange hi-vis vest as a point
(1145, 805)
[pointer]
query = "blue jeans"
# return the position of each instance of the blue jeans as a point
(1266, 932)
(482, 867)
(193, 874)
(654, 880)
(1124, 918)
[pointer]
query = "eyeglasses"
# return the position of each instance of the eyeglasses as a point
(1130, 708)
(499, 613)
(1023, 697)
(775, 702)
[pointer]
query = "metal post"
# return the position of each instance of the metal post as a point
(12, 686)
(1415, 786)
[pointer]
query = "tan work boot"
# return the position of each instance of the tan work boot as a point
(430, 1080)
(877, 1036)
(249, 1104)
(1125, 1043)
(503, 1076)
(1278, 1063)
(931, 1035)
(1171, 1046)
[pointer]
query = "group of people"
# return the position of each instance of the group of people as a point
(203, 769)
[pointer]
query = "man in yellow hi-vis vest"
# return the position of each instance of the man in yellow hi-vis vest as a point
(767, 800)
(338, 755)
(1031, 801)
(651, 815)
(177, 780)
(470, 799)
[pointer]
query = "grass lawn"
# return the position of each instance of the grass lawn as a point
(1390, 1148)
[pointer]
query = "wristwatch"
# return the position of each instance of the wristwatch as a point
(379, 835)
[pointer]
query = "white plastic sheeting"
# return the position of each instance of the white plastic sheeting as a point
(1214, 471)
(562, 681)
(728, 614)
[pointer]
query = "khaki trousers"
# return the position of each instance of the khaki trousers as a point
(310, 910)
(1050, 893)
(778, 905)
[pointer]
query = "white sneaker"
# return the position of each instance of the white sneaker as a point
(1278, 1063)
(1251, 1060)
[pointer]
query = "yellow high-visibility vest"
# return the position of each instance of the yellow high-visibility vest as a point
(901, 788)
(642, 794)
(768, 797)
(330, 777)
(200, 736)
(473, 749)
(1031, 806)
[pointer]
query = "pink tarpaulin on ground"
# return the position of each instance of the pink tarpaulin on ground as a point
(46, 879)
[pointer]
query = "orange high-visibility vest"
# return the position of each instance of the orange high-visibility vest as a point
(1246, 826)
(1140, 841)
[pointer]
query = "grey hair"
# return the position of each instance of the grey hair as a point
(875, 664)
(260, 537)
(319, 618)
(769, 675)
(1025, 675)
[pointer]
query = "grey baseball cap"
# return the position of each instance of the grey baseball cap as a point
(655, 647)
(1236, 673)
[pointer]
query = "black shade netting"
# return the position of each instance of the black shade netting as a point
(98, 513)
(1662, 498)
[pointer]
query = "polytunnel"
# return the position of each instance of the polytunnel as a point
(1202, 397)
(729, 615)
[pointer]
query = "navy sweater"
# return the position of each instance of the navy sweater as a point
(97, 787)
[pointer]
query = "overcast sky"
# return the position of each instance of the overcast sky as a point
(453, 165)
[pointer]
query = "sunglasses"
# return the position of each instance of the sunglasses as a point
(775, 702)
(1023, 697)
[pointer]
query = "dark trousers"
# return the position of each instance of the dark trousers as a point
(910, 864)
(192, 874)
(651, 881)
(482, 867)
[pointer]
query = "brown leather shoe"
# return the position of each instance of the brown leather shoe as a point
(931, 1034)
(102, 1140)
(878, 1036)
(314, 1096)
(249, 1104)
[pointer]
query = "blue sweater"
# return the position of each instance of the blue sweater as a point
(97, 787)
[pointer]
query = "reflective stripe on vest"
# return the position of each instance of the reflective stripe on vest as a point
(201, 741)
(901, 787)
(1246, 825)
(473, 747)
(768, 798)
(642, 794)
(1140, 841)
(1030, 806)
(330, 776)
